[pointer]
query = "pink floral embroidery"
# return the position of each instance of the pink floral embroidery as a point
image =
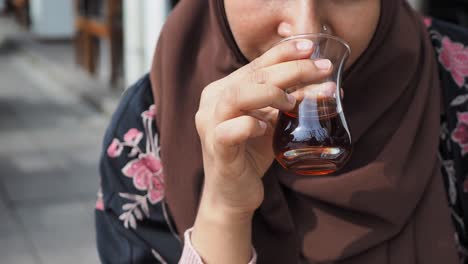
(465, 186)
(100, 201)
(428, 21)
(150, 113)
(460, 134)
(156, 192)
(133, 136)
(145, 170)
(146, 174)
(454, 57)
(115, 148)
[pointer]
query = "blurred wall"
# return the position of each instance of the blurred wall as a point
(143, 21)
(52, 18)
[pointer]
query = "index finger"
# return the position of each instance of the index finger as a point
(283, 52)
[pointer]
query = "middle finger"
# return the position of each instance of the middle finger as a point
(292, 73)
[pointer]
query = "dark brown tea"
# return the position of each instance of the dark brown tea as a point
(316, 142)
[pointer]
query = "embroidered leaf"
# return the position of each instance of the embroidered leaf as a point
(144, 168)
(459, 100)
(458, 218)
(123, 216)
(135, 151)
(145, 208)
(128, 206)
(132, 220)
(115, 148)
(156, 145)
(138, 213)
(129, 220)
(444, 132)
(452, 193)
(132, 197)
(158, 256)
(133, 137)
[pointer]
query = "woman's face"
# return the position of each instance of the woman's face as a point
(258, 24)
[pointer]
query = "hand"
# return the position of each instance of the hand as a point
(236, 118)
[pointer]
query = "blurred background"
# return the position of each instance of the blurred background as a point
(63, 66)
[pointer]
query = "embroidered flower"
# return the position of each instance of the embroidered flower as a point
(100, 201)
(133, 137)
(115, 148)
(465, 186)
(99, 205)
(144, 168)
(460, 134)
(427, 21)
(150, 113)
(454, 57)
(156, 191)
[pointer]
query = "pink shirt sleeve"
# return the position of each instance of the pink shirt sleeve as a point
(191, 256)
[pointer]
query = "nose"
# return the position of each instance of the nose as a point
(301, 16)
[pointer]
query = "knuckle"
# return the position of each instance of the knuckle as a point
(210, 86)
(273, 93)
(207, 92)
(203, 97)
(216, 86)
(199, 122)
(299, 67)
(300, 70)
(258, 76)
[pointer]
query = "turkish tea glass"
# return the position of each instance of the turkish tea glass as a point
(313, 138)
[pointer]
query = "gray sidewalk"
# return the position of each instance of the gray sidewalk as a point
(49, 149)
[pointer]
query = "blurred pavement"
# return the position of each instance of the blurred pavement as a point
(51, 128)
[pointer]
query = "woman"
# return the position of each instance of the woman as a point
(208, 169)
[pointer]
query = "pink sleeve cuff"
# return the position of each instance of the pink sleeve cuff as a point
(191, 256)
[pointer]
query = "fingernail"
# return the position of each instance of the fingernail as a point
(323, 64)
(262, 124)
(304, 45)
(291, 98)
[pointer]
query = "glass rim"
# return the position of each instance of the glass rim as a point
(317, 35)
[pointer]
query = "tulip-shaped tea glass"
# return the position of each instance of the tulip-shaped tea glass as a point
(314, 139)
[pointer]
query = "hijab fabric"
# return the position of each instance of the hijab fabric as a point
(386, 206)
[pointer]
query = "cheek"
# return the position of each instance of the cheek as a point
(253, 26)
(358, 40)
(357, 30)
(256, 37)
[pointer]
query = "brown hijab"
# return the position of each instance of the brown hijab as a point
(386, 206)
